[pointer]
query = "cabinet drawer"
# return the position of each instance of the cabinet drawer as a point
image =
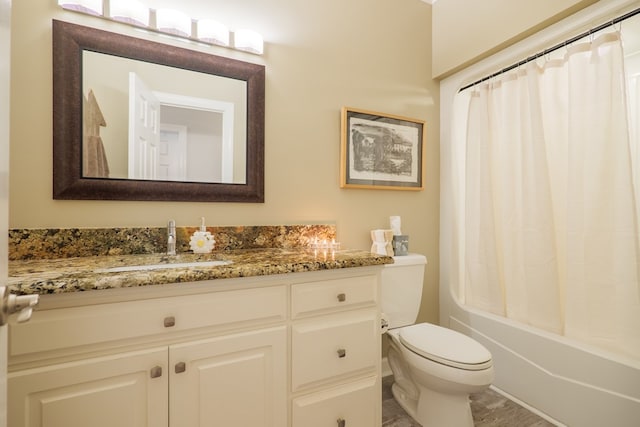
(315, 297)
(70, 327)
(333, 345)
(356, 403)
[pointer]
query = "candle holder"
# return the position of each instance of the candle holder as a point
(325, 244)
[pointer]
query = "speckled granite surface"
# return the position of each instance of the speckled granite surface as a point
(25, 244)
(52, 261)
(63, 275)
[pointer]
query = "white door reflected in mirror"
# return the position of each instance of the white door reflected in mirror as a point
(172, 162)
(144, 130)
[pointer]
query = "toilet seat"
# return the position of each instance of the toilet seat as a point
(445, 346)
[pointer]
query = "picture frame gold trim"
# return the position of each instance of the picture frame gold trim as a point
(381, 151)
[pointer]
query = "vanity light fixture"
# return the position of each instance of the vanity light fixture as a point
(91, 7)
(249, 41)
(173, 22)
(129, 11)
(211, 31)
(169, 21)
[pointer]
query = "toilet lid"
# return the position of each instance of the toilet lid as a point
(445, 346)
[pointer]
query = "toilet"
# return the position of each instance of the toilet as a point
(434, 368)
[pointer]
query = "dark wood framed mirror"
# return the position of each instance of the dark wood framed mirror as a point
(71, 178)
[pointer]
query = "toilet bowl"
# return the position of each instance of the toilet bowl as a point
(432, 386)
(434, 368)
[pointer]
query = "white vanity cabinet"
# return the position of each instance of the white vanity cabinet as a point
(180, 360)
(292, 350)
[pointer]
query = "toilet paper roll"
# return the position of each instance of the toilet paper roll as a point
(384, 323)
(395, 223)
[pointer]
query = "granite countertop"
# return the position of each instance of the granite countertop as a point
(65, 275)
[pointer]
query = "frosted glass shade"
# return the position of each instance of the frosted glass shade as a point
(130, 11)
(173, 22)
(92, 7)
(249, 41)
(213, 32)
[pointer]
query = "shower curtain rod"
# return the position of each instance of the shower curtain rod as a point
(556, 47)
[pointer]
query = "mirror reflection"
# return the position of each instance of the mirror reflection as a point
(146, 121)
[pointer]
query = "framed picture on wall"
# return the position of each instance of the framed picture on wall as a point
(381, 151)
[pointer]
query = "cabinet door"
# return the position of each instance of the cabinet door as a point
(231, 380)
(125, 390)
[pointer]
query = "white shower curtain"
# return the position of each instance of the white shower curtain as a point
(546, 228)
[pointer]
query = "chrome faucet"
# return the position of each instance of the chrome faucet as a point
(171, 237)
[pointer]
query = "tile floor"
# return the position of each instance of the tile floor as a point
(489, 409)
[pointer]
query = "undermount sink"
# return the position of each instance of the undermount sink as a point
(215, 263)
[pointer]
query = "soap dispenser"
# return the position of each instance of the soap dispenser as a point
(202, 241)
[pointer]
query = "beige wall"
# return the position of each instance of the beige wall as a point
(465, 31)
(319, 56)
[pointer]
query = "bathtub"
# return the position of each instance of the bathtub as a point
(566, 382)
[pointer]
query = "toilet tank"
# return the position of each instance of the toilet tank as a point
(401, 287)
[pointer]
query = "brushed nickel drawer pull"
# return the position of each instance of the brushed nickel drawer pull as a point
(181, 367)
(342, 297)
(342, 422)
(156, 372)
(169, 322)
(342, 353)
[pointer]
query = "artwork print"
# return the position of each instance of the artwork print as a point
(381, 151)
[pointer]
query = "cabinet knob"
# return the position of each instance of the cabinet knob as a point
(169, 322)
(342, 297)
(181, 367)
(156, 372)
(341, 422)
(342, 353)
